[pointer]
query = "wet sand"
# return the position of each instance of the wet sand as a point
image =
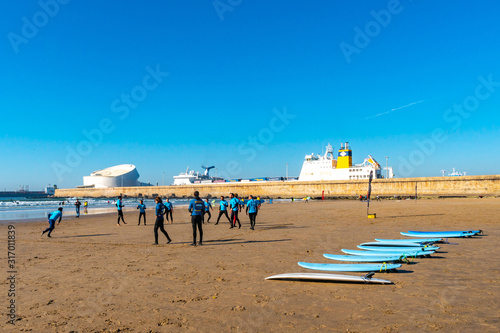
(93, 276)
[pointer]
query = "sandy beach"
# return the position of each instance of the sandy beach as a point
(93, 276)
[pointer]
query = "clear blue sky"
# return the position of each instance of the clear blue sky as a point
(228, 68)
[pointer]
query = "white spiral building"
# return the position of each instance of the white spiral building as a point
(116, 176)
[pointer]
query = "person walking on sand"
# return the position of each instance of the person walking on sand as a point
(196, 207)
(77, 207)
(235, 206)
(142, 212)
(170, 209)
(251, 210)
(223, 210)
(241, 202)
(208, 206)
(85, 206)
(119, 205)
(52, 220)
(160, 211)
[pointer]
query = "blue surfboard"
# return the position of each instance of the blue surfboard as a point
(447, 232)
(416, 243)
(438, 234)
(362, 258)
(375, 253)
(406, 240)
(397, 248)
(348, 268)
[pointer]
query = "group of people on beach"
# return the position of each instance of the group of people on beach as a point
(197, 208)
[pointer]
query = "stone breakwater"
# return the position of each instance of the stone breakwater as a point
(429, 186)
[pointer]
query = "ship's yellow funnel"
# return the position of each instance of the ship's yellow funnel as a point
(344, 159)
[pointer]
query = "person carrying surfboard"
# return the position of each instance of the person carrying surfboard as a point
(223, 210)
(196, 208)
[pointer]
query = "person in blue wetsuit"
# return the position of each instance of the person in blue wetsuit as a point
(208, 206)
(223, 210)
(235, 206)
(196, 208)
(142, 212)
(170, 209)
(251, 211)
(242, 203)
(119, 206)
(52, 220)
(160, 211)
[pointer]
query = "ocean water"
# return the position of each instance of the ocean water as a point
(26, 209)
(29, 209)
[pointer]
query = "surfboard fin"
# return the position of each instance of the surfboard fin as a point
(369, 275)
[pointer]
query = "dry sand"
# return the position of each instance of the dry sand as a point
(93, 276)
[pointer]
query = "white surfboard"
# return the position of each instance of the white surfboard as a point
(327, 277)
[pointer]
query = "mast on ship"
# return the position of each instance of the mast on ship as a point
(329, 153)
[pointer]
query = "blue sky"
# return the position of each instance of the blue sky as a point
(247, 86)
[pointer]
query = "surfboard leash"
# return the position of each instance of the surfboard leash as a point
(384, 264)
(404, 258)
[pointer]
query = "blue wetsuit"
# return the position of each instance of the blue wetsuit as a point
(119, 206)
(207, 211)
(196, 208)
(252, 207)
(142, 212)
(52, 220)
(169, 207)
(223, 211)
(235, 206)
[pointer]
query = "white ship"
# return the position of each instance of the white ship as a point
(190, 177)
(326, 167)
(453, 173)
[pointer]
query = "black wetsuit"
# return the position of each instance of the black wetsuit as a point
(160, 209)
(223, 212)
(234, 218)
(142, 214)
(169, 212)
(209, 216)
(252, 219)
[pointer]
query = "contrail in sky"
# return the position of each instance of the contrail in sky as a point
(395, 109)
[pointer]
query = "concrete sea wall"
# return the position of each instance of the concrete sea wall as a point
(429, 186)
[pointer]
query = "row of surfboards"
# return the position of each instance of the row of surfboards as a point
(381, 255)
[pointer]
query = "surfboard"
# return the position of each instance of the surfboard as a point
(406, 240)
(362, 258)
(397, 248)
(438, 234)
(447, 232)
(375, 253)
(416, 243)
(327, 277)
(348, 267)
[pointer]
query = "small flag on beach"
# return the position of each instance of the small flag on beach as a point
(369, 192)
